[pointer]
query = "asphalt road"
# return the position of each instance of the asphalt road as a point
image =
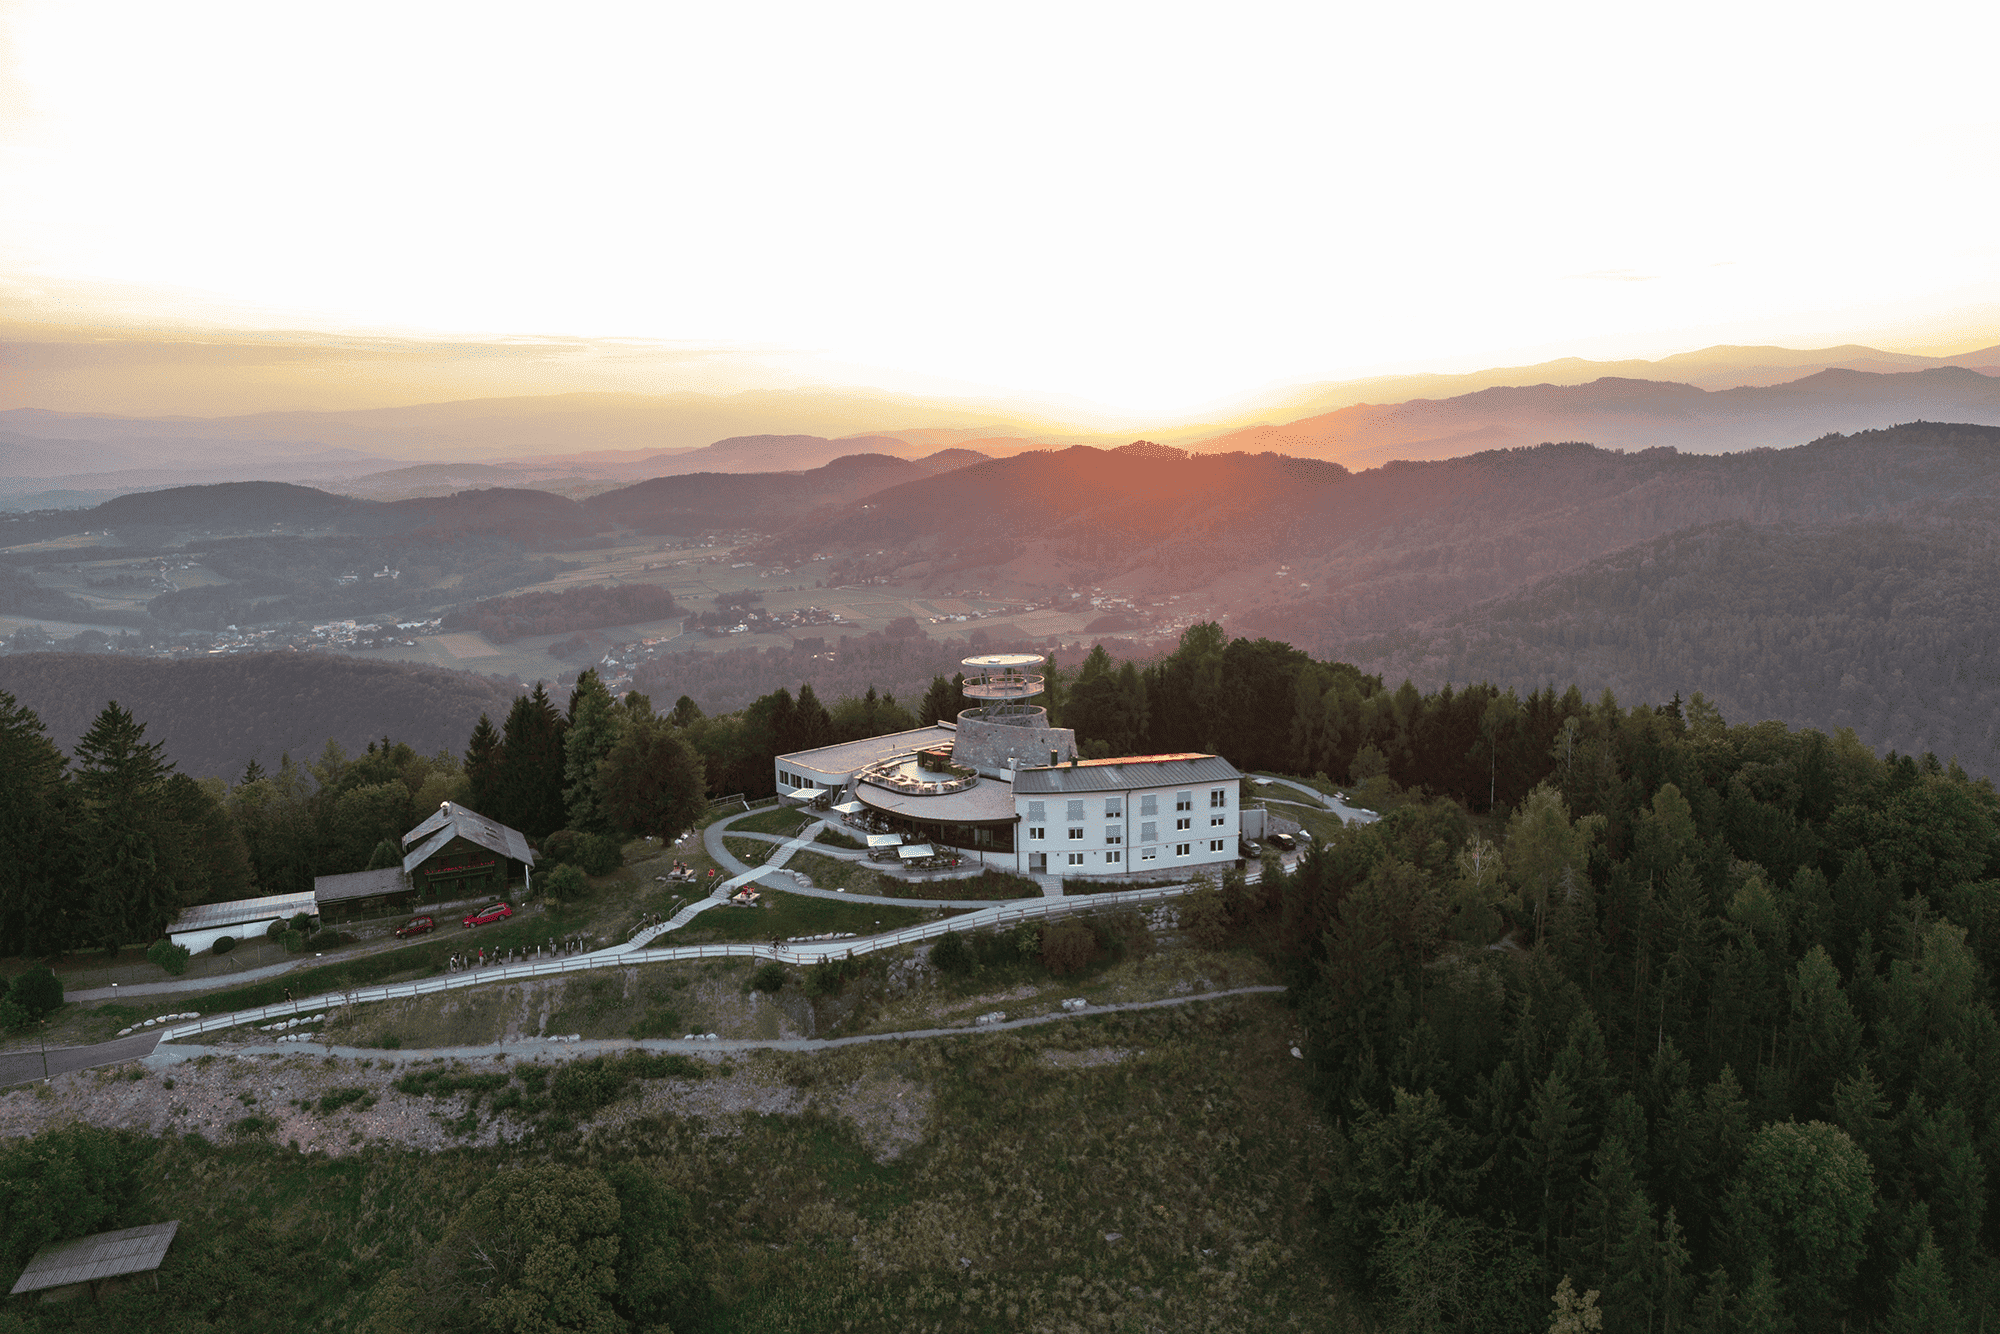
(23, 1067)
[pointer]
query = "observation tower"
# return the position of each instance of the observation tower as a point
(1007, 729)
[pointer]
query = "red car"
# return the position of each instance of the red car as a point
(490, 914)
(416, 926)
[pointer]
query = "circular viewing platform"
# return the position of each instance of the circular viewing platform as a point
(1003, 688)
(1002, 677)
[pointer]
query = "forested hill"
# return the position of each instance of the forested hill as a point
(214, 715)
(1889, 627)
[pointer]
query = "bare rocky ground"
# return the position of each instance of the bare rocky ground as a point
(232, 1090)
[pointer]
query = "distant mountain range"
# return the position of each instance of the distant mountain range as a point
(1717, 400)
(1619, 413)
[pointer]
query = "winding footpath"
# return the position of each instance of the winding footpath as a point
(22, 1067)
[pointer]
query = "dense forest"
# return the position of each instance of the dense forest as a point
(1732, 1064)
(1691, 1023)
(1887, 627)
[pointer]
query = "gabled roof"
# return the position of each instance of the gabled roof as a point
(1120, 775)
(454, 821)
(207, 916)
(359, 884)
(106, 1255)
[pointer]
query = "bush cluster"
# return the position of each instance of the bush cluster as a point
(171, 958)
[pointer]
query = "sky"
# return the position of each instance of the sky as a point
(1150, 208)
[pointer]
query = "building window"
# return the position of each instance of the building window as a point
(1218, 797)
(1114, 857)
(1076, 859)
(1148, 831)
(1113, 835)
(1076, 810)
(1185, 822)
(1037, 812)
(1181, 849)
(1149, 804)
(1037, 831)
(1215, 845)
(1076, 833)
(1217, 821)
(1114, 808)
(1148, 854)
(1183, 801)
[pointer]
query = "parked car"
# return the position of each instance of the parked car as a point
(1246, 848)
(491, 913)
(1283, 842)
(416, 926)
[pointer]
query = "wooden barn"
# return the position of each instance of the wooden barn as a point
(460, 854)
(358, 894)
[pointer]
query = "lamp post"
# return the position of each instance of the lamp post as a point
(44, 1035)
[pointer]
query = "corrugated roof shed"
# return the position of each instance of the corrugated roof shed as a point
(134, 1250)
(360, 884)
(207, 916)
(1122, 775)
(454, 821)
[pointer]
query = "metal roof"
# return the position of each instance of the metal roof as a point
(1122, 775)
(453, 821)
(849, 756)
(359, 884)
(207, 916)
(106, 1255)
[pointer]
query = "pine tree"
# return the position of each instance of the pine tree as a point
(940, 703)
(813, 724)
(36, 915)
(530, 786)
(594, 725)
(483, 754)
(124, 834)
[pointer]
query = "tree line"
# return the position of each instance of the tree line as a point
(1700, 1031)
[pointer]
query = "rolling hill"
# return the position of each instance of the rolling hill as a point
(214, 715)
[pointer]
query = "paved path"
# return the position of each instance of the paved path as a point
(23, 1067)
(167, 1054)
(1351, 814)
(712, 836)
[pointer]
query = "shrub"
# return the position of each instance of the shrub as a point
(562, 846)
(37, 991)
(65, 1183)
(769, 978)
(1205, 917)
(302, 923)
(565, 882)
(1067, 946)
(600, 854)
(275, 930)
(950, 955)
(169, 956)
(222, 945)
(12, 1016)
(293, 941)
(830, 978)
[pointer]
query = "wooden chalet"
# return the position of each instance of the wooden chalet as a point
(358, 894)
(460, 854)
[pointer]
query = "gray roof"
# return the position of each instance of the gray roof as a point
(453, 821)
(849, 756)
(360, 884)
(106, 1255)
(207, 916)
(1123, 775)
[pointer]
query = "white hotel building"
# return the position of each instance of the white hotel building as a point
(1003, 783)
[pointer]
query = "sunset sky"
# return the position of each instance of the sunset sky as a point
(1151, 208)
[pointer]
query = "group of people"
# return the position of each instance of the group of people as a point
(458, 963)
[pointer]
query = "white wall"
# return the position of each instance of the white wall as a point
(197, 941)
(1130, 823)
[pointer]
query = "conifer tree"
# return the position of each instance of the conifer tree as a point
(36, 917)
(483, 755)
(594, 725)
(124, 832)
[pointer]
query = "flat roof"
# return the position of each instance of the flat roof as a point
(849, 757)
(989, 801)
(204, 916)
(134, 1250)
(1131, 771)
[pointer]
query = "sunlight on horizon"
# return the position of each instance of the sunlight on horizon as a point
(1063, 205)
